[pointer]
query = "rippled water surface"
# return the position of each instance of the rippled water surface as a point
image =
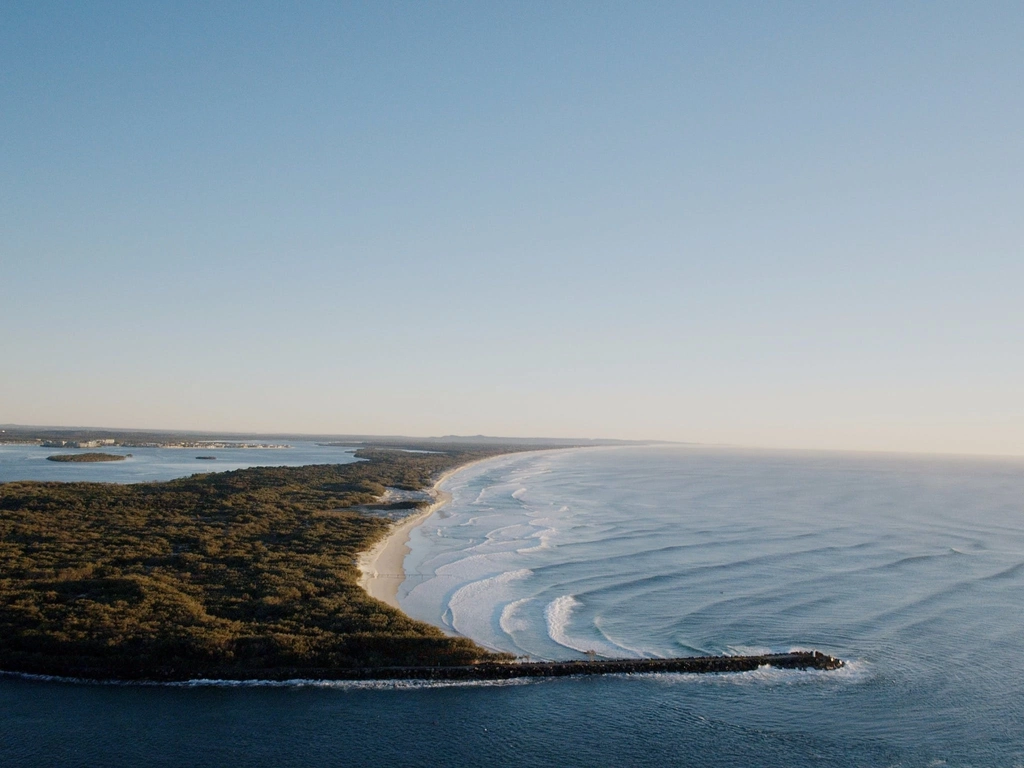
(910, 568)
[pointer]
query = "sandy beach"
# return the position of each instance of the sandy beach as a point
(381, 566)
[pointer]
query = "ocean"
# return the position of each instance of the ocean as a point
(909, 568)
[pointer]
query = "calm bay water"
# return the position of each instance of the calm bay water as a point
(910, 568)
(145, 465)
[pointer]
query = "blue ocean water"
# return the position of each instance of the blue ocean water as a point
(910, 568)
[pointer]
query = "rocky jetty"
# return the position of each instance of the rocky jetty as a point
(480, 671)
(510, 670)
(694, 664)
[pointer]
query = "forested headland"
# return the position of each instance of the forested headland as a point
(234, 575)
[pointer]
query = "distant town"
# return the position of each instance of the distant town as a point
(204, 444)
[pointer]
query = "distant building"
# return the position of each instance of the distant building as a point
(77, 443)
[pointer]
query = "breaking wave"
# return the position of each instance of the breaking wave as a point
(558, 614)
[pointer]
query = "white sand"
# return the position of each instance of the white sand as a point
(381, 567)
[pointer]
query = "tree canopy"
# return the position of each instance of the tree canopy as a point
(243, 574)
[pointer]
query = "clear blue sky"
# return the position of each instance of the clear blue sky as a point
(777, 224)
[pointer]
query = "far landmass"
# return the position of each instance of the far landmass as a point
(85, 457)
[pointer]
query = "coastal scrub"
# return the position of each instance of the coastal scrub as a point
(244, 574)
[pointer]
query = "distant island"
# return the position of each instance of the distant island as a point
(85, 458)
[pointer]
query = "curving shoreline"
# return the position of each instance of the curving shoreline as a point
(382, 573)
(381, 567)
(199, 529)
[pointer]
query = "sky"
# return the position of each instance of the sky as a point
(767, 224)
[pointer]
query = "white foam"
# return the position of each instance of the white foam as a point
(558, 614)
(542, 537)
(511, 621)
(545, 543)
(851, 673)
(548, 530)
(472, 607)
(377, 685)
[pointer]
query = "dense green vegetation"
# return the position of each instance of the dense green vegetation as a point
(244, 574)
(85, 457)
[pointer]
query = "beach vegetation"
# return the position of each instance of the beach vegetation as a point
(243, 574)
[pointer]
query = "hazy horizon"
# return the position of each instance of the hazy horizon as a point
(469, 438)
(767, 226)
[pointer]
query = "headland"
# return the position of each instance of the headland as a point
(267, 573)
